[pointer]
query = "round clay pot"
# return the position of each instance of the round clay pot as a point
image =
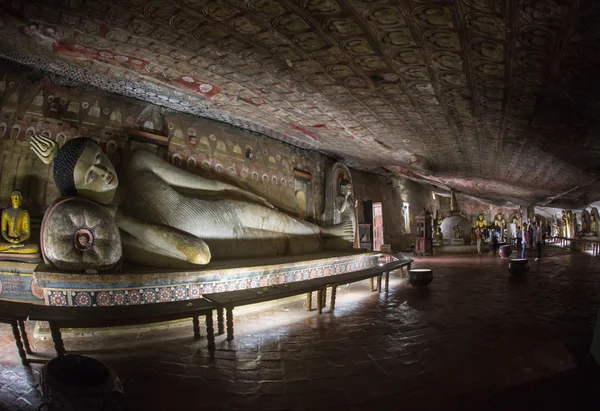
(76, 382)
(420, 277)
(518, 266)
(505, 251)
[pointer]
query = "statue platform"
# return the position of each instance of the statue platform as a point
(21, 258)
(17, 282)
(147, 285)
(457, 241)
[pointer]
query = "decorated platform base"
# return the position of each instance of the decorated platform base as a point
(17, 282)
(147, 286)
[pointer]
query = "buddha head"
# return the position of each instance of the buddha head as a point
(480, 217)
(16, 199)
(81, 168)
(345, 187)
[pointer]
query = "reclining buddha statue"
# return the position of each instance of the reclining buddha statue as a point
(169, 217)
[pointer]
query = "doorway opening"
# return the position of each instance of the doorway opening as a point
(377, 226)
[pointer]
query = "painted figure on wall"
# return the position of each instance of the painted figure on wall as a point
(16, 228)
(179, 217)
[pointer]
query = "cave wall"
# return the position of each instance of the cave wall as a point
(392, 192)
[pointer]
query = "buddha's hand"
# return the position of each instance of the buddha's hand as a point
(44, 148)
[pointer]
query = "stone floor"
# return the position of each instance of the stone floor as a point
(474, 340)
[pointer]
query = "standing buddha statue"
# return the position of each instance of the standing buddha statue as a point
(593, 225)
(480, 223)
(16, 228)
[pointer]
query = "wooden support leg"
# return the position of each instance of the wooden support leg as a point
(229, 323)
(333, 291)
(379, 283)
(220, 322)
(196, 323)
(24, 337)
(319, 301)
(19, 343)
(371, 284)
(210, 331)
(59, 345)
(308, 301)
(387, 282)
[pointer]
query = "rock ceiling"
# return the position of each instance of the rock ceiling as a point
(498, 99)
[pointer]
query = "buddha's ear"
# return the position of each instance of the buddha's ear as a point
(44, 148)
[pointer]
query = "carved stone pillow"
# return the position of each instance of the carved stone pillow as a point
(79, 235)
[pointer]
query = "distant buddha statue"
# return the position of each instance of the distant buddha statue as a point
(480, 223)
(569, 219)
(500, 222)
(593, 225)
(16, 228)
(168, 216)
(575, 225)
(458, 231)
(563, 227)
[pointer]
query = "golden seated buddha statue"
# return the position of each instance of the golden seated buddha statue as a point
(16, 228)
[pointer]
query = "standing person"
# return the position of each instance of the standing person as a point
(495, 234)
(479, 234)
(539, 237)
(525, 240)
(530, 235)
(519, 237)
(543, 237)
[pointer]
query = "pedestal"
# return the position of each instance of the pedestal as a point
(457, 241)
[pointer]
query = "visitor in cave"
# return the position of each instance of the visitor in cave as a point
(519, 237)
(495, 234)
(525, 243)
(478, 234)
(538, 237)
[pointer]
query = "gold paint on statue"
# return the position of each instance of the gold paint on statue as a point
(16, 228)
(481, 222)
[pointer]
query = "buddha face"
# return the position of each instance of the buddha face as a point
(94, 175)
(16, 199)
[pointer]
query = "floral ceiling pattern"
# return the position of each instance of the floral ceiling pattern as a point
(496, 99)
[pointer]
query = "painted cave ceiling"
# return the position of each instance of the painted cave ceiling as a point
(496, 99)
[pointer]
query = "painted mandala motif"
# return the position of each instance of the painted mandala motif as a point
(149, 296)
(36, 290)
(134, 297)
(58, 298)
(164, 295)
(118, 298)
(103, 299)
(83, 300)
(195, 291)
(180, 293)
